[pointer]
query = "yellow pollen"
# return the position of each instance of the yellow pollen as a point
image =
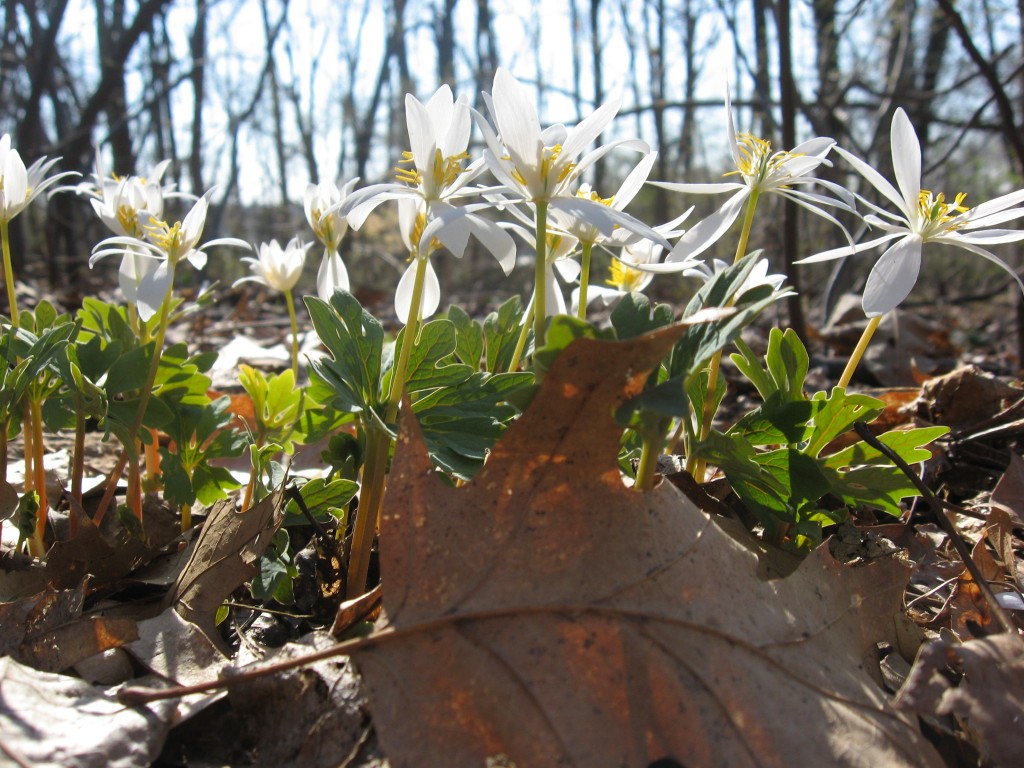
(128, 218)
(589, 194)
(624, 277)
(757, 160)
(936, 210)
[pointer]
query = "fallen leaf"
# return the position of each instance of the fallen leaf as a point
(1009, 491)
(545, 615)
(989, 698)
(53, 721)
(224, 558)
(177, 650)
(68, 644)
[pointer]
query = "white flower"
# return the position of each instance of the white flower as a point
(19, 185)
(168, 245)
(436, 180)
(276, 267)
(761, 172)
(624, 277)
(118, 203)
(539, 166)
(922, 218)
(322, 203)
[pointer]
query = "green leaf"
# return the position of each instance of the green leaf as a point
(837, 413)
(460, 424)
(469, 337)
(561, 332)
(355, 340)
(779, 421)
(431, 362)
(323, 499)
(501, 332)
(861, 475)
(633, 316)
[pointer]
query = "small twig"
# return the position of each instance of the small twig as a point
(945, 523)
(136, 696)
(293, 493)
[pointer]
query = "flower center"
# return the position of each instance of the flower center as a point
(444, 173)
(757, 161)
(935, 210)
(624, 277)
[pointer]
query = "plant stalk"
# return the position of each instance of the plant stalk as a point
(859, 350)
(540, 276)
(379, 447)
(12, 299)
(290, 301)
(581, 310)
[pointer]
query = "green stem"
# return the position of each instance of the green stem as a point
(858, 352)
(378, 446)
(540, 276)
(581, 310)
(77, 468)
(650, 448)
(408, 341)
(694, 466)
(524, 334)
(748, 223)
(290, 301)
(144, 396)
(12, 299)
(36, 544)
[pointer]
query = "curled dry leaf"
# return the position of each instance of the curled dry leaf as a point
(546, 615)
(224, 558)
(989, 698)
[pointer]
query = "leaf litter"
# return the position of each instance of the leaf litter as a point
(544, 610)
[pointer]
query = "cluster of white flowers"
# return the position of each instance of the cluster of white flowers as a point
(539, 191)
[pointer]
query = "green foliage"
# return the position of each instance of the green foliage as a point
(775, 460)
(200, 434)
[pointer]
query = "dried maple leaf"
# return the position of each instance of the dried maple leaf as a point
(547, 615)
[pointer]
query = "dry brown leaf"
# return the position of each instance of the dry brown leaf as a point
(53, 721)
(547, 615)
(1009, 491)
(66, 645)
(989, 697)
(224, 558)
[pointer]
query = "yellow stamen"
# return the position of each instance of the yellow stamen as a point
(935, 209)
(624, 277)
(757, 161)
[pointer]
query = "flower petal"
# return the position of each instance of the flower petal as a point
(906, 159)
(332, 276)
(893, 276)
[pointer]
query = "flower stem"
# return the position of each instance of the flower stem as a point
(36, 545)
(695, 466)
(12, 299)
(290, 301)
(378, 447)
(524, 334)
(581, 310)
(650, 448)
(540, 276)
(144, 396)
(859, 350)
(748, 222)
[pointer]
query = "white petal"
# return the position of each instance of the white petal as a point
(634, 181)
(332, 276)
(699, 189)
(849, 250)
(877, 180)
(583, 134)
(986, 236)
(517, 122)
(893, 276)
(421, 135)
(153, 288)
(708, 231)
(430, 297)
(906, 159)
